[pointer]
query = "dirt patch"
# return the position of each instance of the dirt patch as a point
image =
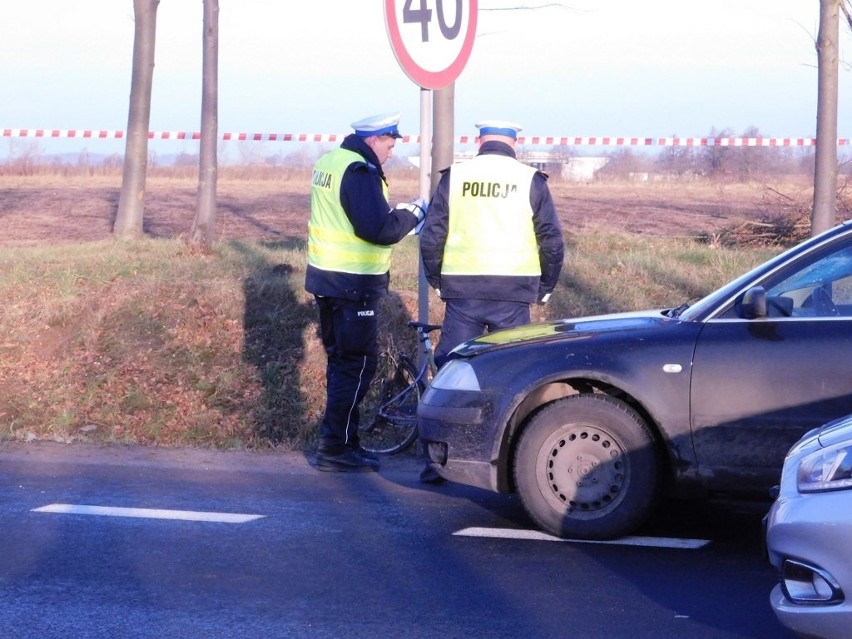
(59, 208)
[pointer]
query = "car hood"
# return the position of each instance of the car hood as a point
(834, 432)
(573, 328)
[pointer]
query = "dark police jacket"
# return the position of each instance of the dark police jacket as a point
(514, 288)
(363, 199)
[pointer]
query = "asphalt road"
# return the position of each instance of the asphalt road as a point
(145, 542)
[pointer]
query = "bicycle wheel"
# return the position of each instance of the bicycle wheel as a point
(388, 413)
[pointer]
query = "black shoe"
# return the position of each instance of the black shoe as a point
(430, 476)
(366, 454)
(346, 462)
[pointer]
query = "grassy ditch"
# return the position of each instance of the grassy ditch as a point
(151, 343)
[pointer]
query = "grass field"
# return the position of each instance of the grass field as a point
(151, 342)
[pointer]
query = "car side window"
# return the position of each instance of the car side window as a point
(821, 287)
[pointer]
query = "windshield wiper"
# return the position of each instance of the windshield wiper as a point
(676, 312)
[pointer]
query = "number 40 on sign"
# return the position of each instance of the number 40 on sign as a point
(431, 39)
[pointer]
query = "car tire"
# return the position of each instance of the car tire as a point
(586, 467)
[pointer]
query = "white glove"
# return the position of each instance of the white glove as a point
(544, 299)
(418, 207)
(412, 207)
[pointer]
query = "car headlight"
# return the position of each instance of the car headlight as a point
(826, 469)
(456, 375)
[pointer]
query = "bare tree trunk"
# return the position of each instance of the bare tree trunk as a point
(129, 218)
(825, 171)
(204, 225)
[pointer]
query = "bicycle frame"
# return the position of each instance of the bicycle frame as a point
(427, 353)
(388, 422)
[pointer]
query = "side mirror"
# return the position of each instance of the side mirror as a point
(753, 304)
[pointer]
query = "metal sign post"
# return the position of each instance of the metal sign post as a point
(425, 188)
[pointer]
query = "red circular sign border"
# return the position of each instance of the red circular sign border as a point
(422, 77)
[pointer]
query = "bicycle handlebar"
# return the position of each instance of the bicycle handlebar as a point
(423, 326)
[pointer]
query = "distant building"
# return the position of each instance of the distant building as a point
(582, 169)
(574, 168)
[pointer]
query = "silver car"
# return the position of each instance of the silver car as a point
(809, 534)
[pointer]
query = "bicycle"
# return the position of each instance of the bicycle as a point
(388, 412)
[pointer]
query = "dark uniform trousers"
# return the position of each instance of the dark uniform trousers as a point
(465, 319)
(349, 332)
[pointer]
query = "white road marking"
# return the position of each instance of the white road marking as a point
(652, 542)
(147, 513)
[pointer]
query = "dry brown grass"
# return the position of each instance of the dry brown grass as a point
(150, 342)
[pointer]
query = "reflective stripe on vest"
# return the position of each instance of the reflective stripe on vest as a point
(332, 243)
(490, 223)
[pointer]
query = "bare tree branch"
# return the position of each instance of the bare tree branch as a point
(844, 7)
(529, 8)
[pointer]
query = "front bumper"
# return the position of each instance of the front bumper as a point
(809, 540)
(810, 621)
(460, 434)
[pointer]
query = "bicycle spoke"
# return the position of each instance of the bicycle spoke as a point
(389, 412)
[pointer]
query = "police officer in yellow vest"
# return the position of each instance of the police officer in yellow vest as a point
(350, 233)
(492, 243)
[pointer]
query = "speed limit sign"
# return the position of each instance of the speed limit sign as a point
(431, 39)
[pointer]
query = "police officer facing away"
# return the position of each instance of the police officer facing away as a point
(492, 244)
(350, 234)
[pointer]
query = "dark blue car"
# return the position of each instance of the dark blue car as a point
(592, 419)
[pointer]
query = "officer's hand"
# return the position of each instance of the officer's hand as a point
(418, 207)
(423, 205)
(544, 299)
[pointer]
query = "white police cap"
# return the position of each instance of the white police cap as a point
(498, 127)
(378, 125)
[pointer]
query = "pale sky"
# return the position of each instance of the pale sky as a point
(572, 68)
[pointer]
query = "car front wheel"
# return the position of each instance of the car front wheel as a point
(586, 467)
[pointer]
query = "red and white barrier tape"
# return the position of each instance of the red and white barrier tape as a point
(415, 139)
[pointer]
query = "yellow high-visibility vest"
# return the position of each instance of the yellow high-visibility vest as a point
(491, 221)
(332, 243)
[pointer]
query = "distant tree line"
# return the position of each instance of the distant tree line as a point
(729, 163)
